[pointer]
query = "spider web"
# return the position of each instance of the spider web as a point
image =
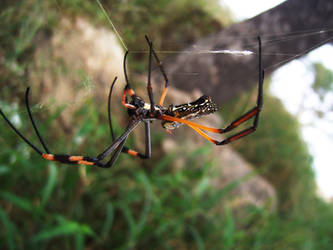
(267, 39)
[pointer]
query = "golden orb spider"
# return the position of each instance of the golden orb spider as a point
(140, 111)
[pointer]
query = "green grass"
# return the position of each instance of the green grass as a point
(131, 205)
(139, 204)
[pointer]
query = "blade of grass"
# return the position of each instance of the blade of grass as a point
(18, 201)
(108, 221)
(51, 182)
(197, 238)
(79, 241)
(147, 202)
(66, 228)
(229, 229)
(8, 230)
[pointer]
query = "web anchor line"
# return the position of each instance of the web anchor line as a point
(110, 21)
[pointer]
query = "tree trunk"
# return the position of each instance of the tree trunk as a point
(224, 76)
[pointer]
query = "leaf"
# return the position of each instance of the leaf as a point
(18, 201)
(323, 82)
(65, 229)
(9, 230)
(4, 169)
(108, 221)
(197, 238)
(229, 229)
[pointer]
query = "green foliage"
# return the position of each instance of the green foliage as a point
(165, 21)
(323, 80)
(272, 231)
(171, 25)
(278, 152)
(139, 204)
(129, 206)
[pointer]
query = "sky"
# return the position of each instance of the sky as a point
(296, 77)
(243, 9)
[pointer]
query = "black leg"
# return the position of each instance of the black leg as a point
(128, 85)
(132, 125)
(160, 65)
(148, 140)
(149, 87)
(114, 156)
(20, 135)
(109, 109)
(147, 153)
(33, 122)
(70, 159)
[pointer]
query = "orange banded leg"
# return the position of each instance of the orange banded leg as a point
(160, 66)
(113, 150)
(85, 160)
(163, 96)
(198, 127)
(243, 118)
(204, 135)
(166, 80)
(254, 112)
(225, 141)
(189, 123)
(81, 160)
(124, 101)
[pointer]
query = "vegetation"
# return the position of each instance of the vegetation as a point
(142, 204)
(279, 153)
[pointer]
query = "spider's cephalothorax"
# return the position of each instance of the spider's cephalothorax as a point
(143, 112)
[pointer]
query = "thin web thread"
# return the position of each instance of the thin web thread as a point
(223, 51)
(114, 27)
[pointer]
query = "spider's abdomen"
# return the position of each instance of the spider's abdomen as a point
(203, 106)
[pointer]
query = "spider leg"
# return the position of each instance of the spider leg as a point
(62, 158)
(227, 140)
(109, 109)
(87, 160)
(160, 65)
(19, 134)
(254, 112)
(198, 127)
(116, 147)
(115, 155)
(126, 149)
(32, 120)
(149, 87)
(147, 153)
(128, 85)
(33, 123)
(132, 125)
(128, 89)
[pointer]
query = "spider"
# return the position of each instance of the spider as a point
(140, 111)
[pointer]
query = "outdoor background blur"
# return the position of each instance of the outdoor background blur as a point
(256, 193)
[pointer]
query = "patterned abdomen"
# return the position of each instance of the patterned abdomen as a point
(203, 106)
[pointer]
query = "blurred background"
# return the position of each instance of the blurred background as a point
(269, 190)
